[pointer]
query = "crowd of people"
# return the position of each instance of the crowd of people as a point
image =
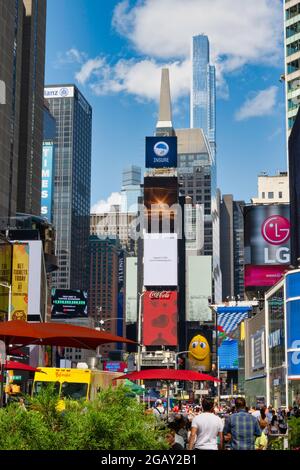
(212, 427)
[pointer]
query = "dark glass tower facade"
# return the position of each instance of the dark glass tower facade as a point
(72, 184)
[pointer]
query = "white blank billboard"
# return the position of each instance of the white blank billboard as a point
(198, 288)
(131, 289)
(160, 260)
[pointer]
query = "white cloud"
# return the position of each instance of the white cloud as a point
(141, 78)
(261, 104)
(240, 32)
(161, 30)
(71, 56)
(106, 205)
(239, 29)
(88, 68)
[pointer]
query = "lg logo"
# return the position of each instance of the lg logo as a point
(276, 230)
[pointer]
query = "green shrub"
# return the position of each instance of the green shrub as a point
(114, 421)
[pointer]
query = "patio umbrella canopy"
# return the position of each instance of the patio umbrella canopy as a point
(169, 374)
(14, 365)
(21, 333)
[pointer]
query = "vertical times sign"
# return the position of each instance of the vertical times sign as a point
(47, 181)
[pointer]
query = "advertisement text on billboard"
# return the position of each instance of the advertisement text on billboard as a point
(267, 234)
(20, 274)
(47, 181)
(263, 276)
(161, 152)
(68, 304)
(160, 260)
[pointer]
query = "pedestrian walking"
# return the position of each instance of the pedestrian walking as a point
(206, 429)
(241, 428)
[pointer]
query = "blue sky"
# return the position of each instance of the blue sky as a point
(113, 51)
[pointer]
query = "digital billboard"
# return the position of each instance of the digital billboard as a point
(161, 203)
(47, 180)
(199, 288)
(67, 303)
(160, 260)
(131, 289)
(20, 275)
(161, 152)
(200, 349)
(293, 324)
(160, 318)
(228, 354)
(263, 276)
(5, 277)
(267, 243)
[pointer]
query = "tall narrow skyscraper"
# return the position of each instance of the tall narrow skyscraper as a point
(292, 60)
(22, 59)
(203, 93)
(72, 184)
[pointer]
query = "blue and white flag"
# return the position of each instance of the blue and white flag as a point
(230, 317)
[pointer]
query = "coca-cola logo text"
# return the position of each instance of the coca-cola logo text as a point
(160, 295)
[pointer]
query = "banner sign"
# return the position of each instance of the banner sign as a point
(5, 277)
(47, 181)
(20, 275)
(160, 318)
(161, 152)
(293, 324)
(68, 304)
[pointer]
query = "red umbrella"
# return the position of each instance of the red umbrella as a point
(169, 374)
(14, 365)
(21, 333)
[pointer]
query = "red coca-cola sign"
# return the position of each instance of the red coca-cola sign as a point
(164, 294)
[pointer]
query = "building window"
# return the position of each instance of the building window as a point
(270, 195)
(263, 195)
(280, 194)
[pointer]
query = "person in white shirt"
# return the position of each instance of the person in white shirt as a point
(206, 429)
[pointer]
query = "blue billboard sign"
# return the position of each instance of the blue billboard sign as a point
(293, 324)
(47, 180)
(228, 355)
(161, 152)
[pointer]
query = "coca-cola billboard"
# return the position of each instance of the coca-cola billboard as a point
(160, 318)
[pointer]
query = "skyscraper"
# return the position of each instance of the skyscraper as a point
(292, 60)
(22, 58)
(232, 247)
(131, 188)
(31, 112)
(203, 93)
(72, 184)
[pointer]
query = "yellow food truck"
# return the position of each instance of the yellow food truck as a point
(74, 383)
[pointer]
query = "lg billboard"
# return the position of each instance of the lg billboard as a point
(161, 152)
(267, 243)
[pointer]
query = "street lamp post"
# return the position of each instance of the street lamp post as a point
(9, 287)
(178, 354)
(139, 335)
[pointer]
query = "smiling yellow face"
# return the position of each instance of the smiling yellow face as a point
(199, 349)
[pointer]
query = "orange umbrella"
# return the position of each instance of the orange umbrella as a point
(22, 333)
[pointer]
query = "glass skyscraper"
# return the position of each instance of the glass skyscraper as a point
(72, 184)
(203, 93)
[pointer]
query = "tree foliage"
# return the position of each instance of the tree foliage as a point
(114, 421)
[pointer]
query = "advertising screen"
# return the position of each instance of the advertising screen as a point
(160, 195)
(20, 276)
(199, 349)
(199, 288)
(160, 318)
(263, 276)
(68, 304)
(47, 181)
(114, 366)
(293, 324)
(267, 244)
(5, 277)
(228, 355)
(267, 234)
(258, 350)
(131, 290)
(160, 260)
(161, 152)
